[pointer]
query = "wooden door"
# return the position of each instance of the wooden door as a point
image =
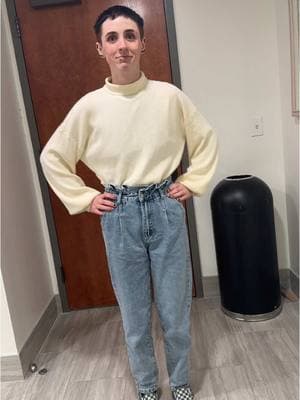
(62, 65)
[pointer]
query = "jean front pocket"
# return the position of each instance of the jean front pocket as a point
(174, 211)
(102, 218)
(106, 215)
(176, 202)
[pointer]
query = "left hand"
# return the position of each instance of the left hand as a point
(179, 192)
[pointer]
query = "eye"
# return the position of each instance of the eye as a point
(111, 38)
(130, 36)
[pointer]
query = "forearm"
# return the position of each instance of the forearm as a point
(203, 156)
(68, 186)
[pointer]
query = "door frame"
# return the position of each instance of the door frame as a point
(16, 32)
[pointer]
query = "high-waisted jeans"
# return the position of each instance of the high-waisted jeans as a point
(146, 237)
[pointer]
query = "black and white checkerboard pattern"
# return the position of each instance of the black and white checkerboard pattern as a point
(148, 396)
(183, 393)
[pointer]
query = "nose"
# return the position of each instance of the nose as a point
(122, 43)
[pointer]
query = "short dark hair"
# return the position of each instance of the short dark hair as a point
(118, 11)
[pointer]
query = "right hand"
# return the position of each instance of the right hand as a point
(101, 203)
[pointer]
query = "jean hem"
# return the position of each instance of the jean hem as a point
(148, 390)
(174, 387)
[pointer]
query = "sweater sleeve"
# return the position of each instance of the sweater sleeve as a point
(59, 158)
(202, 146)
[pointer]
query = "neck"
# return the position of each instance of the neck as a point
(127, 89)
(125, 77)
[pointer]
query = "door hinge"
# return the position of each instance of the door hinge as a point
(18, 27)
(63, 275)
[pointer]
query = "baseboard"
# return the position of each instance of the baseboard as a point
(211, 286)
(295, 283)
(16, 367)
(11, 369)
(288, 280)
(285, 278)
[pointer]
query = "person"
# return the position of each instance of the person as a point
(131, 132)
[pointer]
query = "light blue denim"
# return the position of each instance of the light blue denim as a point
(146, 237)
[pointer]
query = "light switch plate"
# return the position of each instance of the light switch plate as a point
(257, 126)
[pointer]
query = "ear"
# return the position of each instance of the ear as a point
(143, 45)
(99, 49)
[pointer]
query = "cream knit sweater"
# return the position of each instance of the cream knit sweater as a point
(129, 135)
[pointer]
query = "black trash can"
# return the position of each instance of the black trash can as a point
(245, 243)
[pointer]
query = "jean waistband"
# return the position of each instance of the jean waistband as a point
(142, 192)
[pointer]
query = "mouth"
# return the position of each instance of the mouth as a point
(126, 58)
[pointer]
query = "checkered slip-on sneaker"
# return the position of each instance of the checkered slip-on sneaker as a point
(149, 396)
(182, 393)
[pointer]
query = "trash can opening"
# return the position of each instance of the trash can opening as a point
(237, 177)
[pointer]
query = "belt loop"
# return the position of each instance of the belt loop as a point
(165, 184)
(141, 194)
(119, 196)
(108, 187)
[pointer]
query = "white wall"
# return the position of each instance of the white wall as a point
(27, 268)
(228, 57)
(290, 130)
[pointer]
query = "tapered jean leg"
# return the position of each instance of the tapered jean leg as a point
(172, 282)
(129, 267)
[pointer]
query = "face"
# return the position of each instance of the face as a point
(121, 44)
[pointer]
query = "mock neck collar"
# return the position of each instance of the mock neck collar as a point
(126, 90)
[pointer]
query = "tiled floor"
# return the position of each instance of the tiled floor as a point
(86, 359)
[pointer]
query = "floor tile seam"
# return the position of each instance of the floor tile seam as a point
(267, 341)
(28, 389)
(247, 378)
(98, 379)
(258, 384)
(215, 367)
